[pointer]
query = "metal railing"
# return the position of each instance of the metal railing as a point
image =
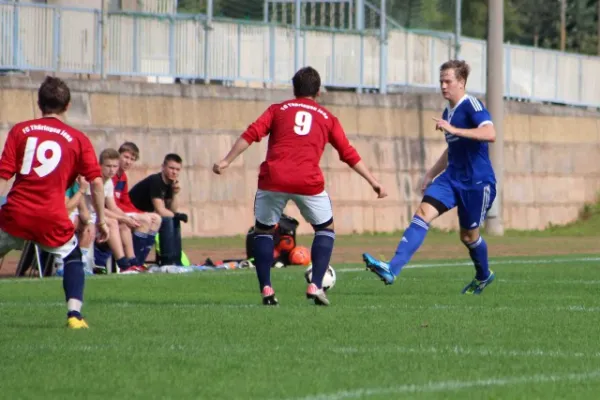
(60, 39)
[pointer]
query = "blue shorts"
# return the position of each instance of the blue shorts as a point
(473, 202)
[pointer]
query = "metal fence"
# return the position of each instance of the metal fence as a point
(50, 38)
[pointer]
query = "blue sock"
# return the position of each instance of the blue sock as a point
(101, 255)
(320, 254)
(148, 245)
(139, 246)
(75, 314)
(412, 239)
(263, 258)
(123, 263)
(74, 277)
(479, 254)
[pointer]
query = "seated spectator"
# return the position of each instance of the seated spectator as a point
(121, 241)
(144, 236)
(159, 193)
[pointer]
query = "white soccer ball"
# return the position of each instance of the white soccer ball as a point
(328, 280)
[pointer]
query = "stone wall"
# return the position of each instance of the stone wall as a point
(551, 153)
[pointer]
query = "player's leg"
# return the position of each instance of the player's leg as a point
(318, 212)
(86, 235)
(140, 237)
(438, 198)
(127, 240)
(268, 207)
(153, 227)
(8, 243)
(170, 241)
(473, 206)
(73, 280)
(116, 245)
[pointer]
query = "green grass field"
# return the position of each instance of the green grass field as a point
(533, 334)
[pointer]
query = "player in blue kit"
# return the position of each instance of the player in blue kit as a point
(463, 177)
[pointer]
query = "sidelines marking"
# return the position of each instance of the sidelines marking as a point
(448, 386)
(492, 263)
(342, 270)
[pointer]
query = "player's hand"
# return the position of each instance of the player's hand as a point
(83, 184)
(220, 166)
(427, 179)
(380, 190)
(443, 125)
(181, 217)
(102, 232)
(176, 187)
(131, 222)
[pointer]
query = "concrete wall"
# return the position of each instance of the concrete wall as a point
(551, 154)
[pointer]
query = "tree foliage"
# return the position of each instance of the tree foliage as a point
(527, 22)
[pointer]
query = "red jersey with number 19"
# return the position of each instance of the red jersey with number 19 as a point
(46, 155)
(299, 130)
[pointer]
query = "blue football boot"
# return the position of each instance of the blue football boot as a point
(380, 268)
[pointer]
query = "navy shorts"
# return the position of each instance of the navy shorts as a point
(473, 202)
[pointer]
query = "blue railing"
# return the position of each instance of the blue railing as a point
(74, 40)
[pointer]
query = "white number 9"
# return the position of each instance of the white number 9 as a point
(303, 123)
(47, 164)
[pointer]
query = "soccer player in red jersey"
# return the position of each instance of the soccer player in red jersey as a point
(47, 155)
(298, 131)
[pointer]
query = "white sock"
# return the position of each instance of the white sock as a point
(74, 305)
(84, 255)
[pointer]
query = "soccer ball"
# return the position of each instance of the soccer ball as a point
(328, 280)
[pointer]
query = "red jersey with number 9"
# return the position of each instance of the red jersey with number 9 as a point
(46, 155)
(299, 129)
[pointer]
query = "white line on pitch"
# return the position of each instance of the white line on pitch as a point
(448, 386)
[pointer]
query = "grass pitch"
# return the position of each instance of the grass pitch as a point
(533, 334)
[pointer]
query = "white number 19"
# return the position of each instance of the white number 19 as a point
(47, 164)
(303, 123)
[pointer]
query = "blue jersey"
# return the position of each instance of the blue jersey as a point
(468, 160)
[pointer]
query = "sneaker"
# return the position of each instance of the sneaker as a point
(477, 286)
(268, 296)
(317, 295)
(100, 270)
(136, 269)
(76, 323)
(380, 268)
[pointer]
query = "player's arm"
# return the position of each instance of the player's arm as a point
(97, 190)
(84, 213)
(480, 117)
(255, 132)
(72, 202)
(113, 211)
(484, 133)
(77, 197)
(3, 186)
(173, 204)
(439, 166)
(8, 161)
(349, 155)
(160, 208)
(90, 170)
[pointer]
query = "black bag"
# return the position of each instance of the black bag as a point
(287, 226)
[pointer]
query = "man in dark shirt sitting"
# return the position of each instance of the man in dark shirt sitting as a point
(159, 193)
